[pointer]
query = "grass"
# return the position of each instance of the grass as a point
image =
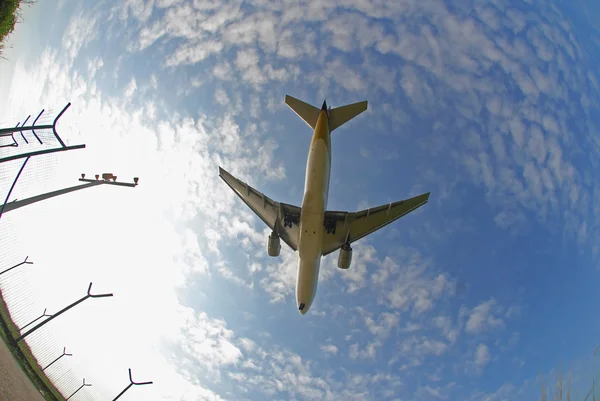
(9, 17)
(23, 355)
(559, 393)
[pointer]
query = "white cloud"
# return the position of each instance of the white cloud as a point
(139, 9)
(329, 349)
(412, 351)
(81, 30)
(223, 71)
(281, 279)
(445, 325)
(356, 274)
(94, 65)
(484, 317)
(221, 97)
(130, 89)
(382, 327)
(193, 53)
(410, 283)
(153, 81)
(368, 352)
(208, 340)
(482, 355)
(247, 61)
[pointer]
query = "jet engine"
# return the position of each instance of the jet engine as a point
(345, 258)
(274, 245)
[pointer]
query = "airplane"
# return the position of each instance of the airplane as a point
(311, 229)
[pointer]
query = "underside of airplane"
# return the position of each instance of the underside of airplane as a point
(311, 229)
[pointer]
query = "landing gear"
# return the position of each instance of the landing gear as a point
(330, 226)
(289, 219)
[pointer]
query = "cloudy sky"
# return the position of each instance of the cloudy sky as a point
(490, 105)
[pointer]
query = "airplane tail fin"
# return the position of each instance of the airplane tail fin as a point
(343, 114)
(337, 116)
(305, 111)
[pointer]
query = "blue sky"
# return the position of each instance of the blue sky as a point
(491, 106)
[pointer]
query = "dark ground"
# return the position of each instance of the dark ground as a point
(14, 383)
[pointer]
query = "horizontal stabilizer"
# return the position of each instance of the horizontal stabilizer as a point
(307, 112)
(343, 114)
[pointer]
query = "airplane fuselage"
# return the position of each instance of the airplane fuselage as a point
(314, 205)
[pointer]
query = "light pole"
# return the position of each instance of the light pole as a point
(7, 207)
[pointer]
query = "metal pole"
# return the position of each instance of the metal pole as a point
(119, 184)
(40, 152)
(132, 383)
(13, 186)
(122, 392)
(10, 131)
(36, 319)
(14, 144)
(54, 124)
(88, 183)
(82, 386)
(89, 295)
(15, 266)
(24, 202)
(32, 131)
(25, 122)
(63, 354)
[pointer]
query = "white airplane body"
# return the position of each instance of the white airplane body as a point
(311, 229)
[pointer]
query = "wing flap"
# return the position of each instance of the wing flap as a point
(354, 226)
(280, 217)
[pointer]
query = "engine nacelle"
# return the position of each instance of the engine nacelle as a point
(345, 258)
(274, 246)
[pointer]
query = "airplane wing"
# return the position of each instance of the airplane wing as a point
(339, 225)
(280, 217)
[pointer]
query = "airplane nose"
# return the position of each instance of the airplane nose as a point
(303, 307)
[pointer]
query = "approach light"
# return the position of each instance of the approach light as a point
(114, 178)
(82, 176)
(135, 180)
(97, 176)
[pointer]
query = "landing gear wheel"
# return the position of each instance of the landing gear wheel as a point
(330, 226)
